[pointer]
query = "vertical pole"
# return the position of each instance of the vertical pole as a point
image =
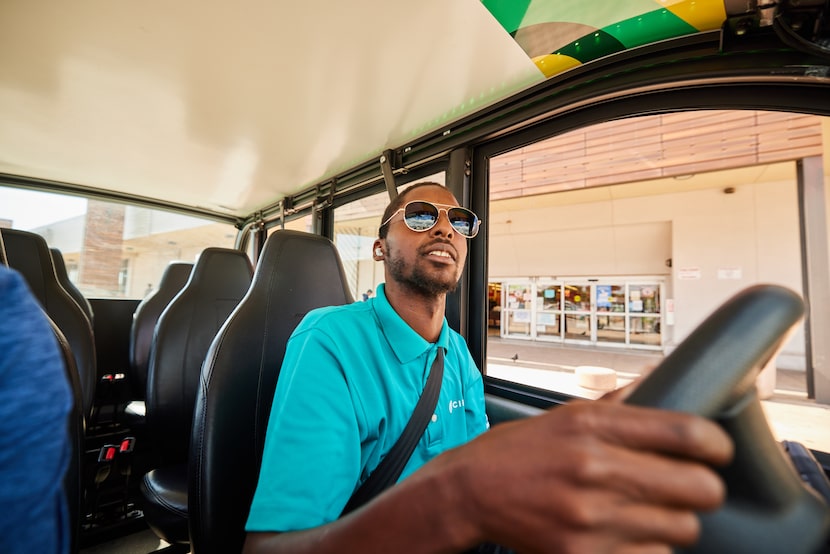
(815, 264)
(388, 175)
(458, 308)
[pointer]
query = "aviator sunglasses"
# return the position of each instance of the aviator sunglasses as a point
(421, 216)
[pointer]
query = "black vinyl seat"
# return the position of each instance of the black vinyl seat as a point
(29, 254)
(146, 316)
(68, 285)
(296, 273)
(218, 281)
(73, 484)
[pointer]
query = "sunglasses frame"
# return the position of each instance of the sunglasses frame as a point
(438, 208)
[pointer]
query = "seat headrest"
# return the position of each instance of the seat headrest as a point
(218, 271)
(68, 285)
(174, 277)
(29, 254)
(307, 265)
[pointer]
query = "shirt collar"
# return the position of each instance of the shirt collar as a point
(405, 342)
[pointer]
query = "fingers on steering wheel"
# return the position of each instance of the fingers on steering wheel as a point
(665, 432)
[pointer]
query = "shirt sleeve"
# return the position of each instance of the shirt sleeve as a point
(311, 458)
(35, 399)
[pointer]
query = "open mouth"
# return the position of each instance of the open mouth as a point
(441, 254)
(440, 250)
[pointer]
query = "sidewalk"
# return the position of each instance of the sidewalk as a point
(552, 366)
(559, 357)
(629, 364)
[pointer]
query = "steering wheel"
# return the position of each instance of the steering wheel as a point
(712, 373)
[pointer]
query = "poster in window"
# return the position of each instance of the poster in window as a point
(603, 296)
(521, 316)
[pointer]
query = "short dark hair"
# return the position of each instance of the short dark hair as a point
(398, 203)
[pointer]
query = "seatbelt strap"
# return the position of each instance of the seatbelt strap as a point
(390, 469)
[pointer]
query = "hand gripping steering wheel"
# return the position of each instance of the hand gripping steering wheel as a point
(712, 374)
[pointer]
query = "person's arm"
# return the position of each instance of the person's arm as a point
(35, 400)
(586, 477)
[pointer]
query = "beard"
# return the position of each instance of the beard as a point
(418, 279)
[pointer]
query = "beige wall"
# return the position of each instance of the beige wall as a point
(551, 243)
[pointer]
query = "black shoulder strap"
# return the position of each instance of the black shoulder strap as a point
(387, 473)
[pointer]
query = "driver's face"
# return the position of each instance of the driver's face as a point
(429, 262)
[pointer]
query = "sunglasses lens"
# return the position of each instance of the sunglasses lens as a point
(463, 221)
(420, 216)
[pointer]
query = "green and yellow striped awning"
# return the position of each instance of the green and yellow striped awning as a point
(561, 34)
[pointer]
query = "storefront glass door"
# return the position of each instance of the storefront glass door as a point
(518, 310)
(610, 305)
(548, 310)
(644, 314)
(577, 312)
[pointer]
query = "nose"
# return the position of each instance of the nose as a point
(443, 225)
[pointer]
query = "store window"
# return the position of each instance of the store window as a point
(583, 311)
(611, 327)
(518, 310)
(549, 311)
(493, 308)
(644, 316)
(577, 301)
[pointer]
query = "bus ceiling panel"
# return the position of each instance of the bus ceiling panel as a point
(229, 106)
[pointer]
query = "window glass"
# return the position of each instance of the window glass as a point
(548, 311)
(303, 224)
(610, 298)
(111, 250)
(577, 297)
(609, 244)
(611, 329)
(644, 299)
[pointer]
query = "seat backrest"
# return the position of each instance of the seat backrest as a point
(73, 484)
(296, 273)
(185, 329)
(144, 323)
(29, 254)
(68, 285)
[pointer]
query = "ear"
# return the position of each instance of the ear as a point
(377, 250)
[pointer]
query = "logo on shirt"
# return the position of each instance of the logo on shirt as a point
(455, 404)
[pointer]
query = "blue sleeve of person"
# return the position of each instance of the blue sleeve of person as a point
(35, 400)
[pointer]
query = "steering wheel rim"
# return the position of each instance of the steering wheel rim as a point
(712, 374)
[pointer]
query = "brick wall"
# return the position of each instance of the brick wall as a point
(101, 257)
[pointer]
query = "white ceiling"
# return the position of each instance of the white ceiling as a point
(229, 106)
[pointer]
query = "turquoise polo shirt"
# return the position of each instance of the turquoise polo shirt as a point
(350, 380)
